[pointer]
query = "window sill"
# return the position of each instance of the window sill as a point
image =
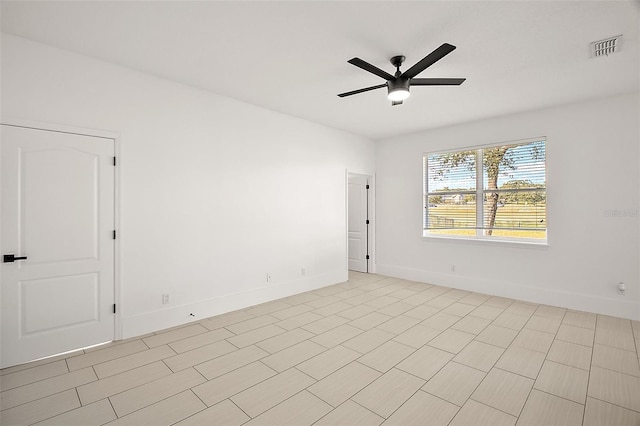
(543, 245)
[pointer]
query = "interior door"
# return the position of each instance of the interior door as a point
(57, 242)
(357, 222)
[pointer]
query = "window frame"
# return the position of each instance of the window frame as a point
(479, 193)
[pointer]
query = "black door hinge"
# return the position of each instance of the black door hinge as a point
(367, 257)
(367, 186)
(114, 308)
(367, 221)
(114, 161)
(114, 234)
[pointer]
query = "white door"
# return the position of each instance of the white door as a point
(357, 222)
(58, 213)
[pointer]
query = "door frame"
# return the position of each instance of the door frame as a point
(371, 213)
(63, 128)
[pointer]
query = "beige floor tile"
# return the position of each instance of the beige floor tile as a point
(107, 354)
(422, 409)
(231, 361)
(357, 312)
(607, 322)
(454, 383)
(570, 354)
(251, 324)
(322, 301)
(440, 302)
(200, 340)
(336, 335)
(327, 362)
(40, 409)
(475, 299)
(550, 311)
(117, 383)
(31, 392)
(521, 361)
(511, 320)
(293, 355)
(292, 311)
(199, 355)
(425, 362)
(417, 336)
(497, 336)
(256, 335)
(325, 324)
(545, 324)
(616, 359)
(451, 340)
(615, 388)
(382, 301)
(298, 321)
(422, 312)
(472, 325)
(440, 321)
(598, 413)
(285, 340)
(32, 364)
(385, 394)
(94, 414)
(332, 309)
(458, 309)
(222, 387)
(350, 414)
(479, 355)
(500, 302)
(522, 308)
(618, 339)
(474, 413)
(225, 413)
(142, 396)
(341, 385)
(580, 319)
(369, 321)
(303, 408)
(575, 334)
(563, 381)
(165, 412)
(224, 320)
(396, 309)
(268, 307)
(132, 361)
(31, 375)
(487, 312)
(544, 409)
(403, 293)
(163, 338)
(368, 340)
(398, 325)
(504, 391)
(300, 298)
(271, 392)
(386, 356)
(534, 340)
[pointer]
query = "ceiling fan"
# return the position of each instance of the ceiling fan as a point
(398, 84)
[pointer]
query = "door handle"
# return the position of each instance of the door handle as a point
(9, 258)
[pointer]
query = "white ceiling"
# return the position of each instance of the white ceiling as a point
(291, 56)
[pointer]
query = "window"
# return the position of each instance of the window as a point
(505, 198)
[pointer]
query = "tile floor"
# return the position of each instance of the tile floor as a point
(374, 350)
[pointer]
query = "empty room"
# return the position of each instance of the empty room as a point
(320, 213)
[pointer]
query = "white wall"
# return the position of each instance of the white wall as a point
(592, 169)
(215, 193)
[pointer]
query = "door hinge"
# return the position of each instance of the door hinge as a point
(114, 234)
(367, 186)
(367, 222)
(114, 308)
(367, 257)
(114, 161)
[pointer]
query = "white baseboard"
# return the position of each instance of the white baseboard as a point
(496, 287)
(149, 322)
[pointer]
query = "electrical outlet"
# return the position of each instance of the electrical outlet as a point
(268, 277)
(303, 271)
(622, 289)
(165, 299)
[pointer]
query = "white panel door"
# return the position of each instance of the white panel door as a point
(58, 212)
(357, 222)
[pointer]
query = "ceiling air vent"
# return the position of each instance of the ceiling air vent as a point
(605, 47)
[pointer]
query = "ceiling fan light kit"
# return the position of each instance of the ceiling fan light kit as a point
(398, 85)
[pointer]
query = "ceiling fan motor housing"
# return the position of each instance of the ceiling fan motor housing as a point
(398, 84)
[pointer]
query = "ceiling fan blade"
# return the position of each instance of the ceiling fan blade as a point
(429, 60)
(394, 103)
(371, 68)
(436, 81)
(366, 89)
